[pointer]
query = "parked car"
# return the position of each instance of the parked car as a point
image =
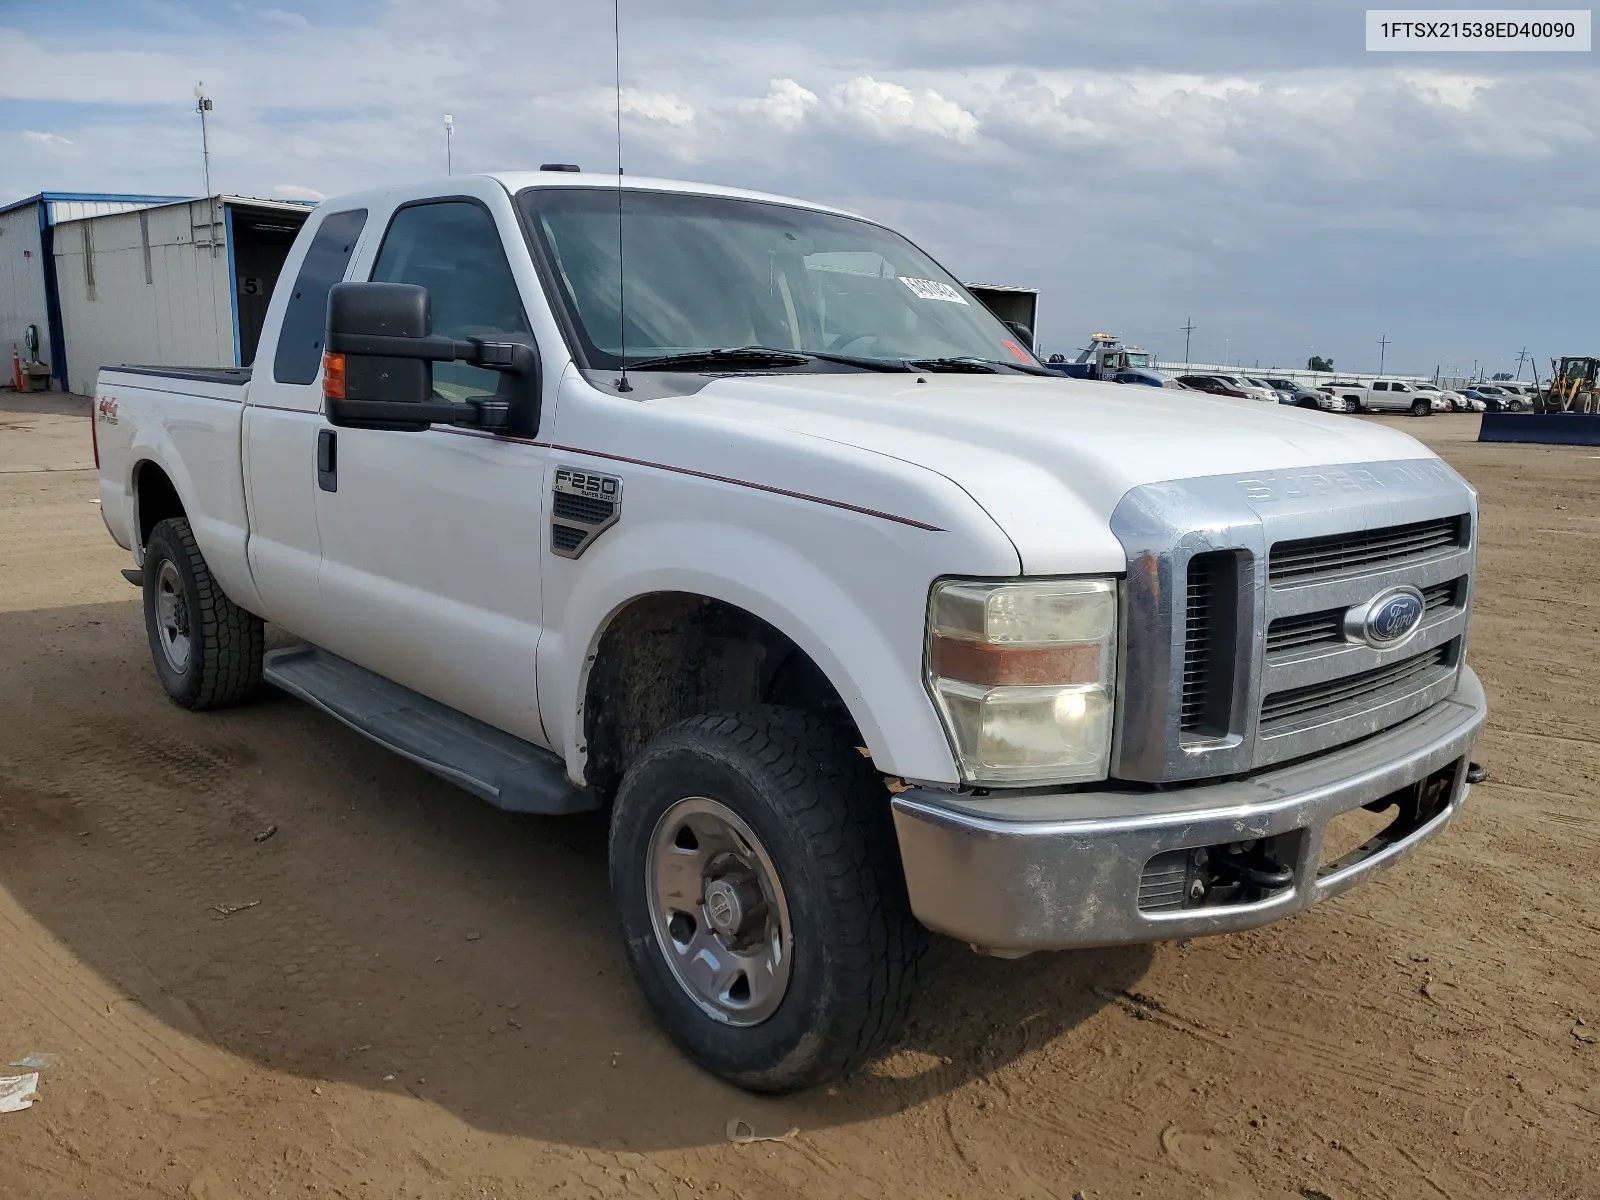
(1147, 378)
(1496, 397)
(856, 632)
(1256, 391)
(1216, 385)
(1263, 385)
(1445, 400)
(1290, 392)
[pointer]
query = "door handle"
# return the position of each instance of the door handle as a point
(328, 460)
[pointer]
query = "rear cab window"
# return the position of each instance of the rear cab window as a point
(305, 317)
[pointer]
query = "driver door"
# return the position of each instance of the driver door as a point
(431, 542)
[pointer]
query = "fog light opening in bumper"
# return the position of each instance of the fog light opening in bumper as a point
(1221, 875)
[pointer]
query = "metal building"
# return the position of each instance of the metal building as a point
(28, 292)
(176, 284)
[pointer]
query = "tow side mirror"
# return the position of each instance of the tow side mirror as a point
(378, 366)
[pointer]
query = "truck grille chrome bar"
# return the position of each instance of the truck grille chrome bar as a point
(1309, 559)
(1290, 635)
(1364, 689)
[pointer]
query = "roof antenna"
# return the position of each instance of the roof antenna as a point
(622, 286)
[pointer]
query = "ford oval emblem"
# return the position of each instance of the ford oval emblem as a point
(1387, 620)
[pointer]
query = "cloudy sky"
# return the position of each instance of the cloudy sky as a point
(1246, 164)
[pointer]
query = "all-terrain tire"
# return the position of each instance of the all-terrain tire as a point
(223, 665)
(822, 815)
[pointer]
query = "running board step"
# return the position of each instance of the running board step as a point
(504, 770)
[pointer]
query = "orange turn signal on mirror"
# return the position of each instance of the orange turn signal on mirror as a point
(333, 376)
(989, 665)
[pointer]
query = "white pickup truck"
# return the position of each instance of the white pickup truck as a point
(858, 620)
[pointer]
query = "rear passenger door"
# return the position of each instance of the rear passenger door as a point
(431, 542)
(281, 424)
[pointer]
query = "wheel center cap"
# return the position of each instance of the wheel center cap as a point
(724, 907)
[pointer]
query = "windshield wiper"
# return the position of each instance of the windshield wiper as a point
(732, 356)
(750, 356)
(976, 366)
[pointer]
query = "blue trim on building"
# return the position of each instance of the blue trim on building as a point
(52, 297)
(233, 279)
(92, 197)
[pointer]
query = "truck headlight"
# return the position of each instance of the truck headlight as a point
(1024, 676)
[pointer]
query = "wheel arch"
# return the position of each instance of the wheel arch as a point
(155, 499)
(664, 656)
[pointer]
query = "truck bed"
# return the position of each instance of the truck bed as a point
(227, 376)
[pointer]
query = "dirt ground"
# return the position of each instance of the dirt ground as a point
(425, 997)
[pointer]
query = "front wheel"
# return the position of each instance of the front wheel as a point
(1514, 405)
(1423, 408)
(755, 870)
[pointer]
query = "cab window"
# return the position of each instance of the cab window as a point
(452, 248)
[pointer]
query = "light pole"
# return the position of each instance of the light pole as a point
(202, 105)
(449, 132)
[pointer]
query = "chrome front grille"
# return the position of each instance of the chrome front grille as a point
(1294, 635)
(1358, 692)
(1198, 637)
(1305, 560)
(1235, 655)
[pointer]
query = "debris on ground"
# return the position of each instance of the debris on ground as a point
(32, 1062)
(742, 1133)
(18, 1092)
(266, 833)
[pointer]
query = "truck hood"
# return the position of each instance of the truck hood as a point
(1048, 459)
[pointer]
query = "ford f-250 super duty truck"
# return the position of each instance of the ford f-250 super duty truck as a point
(858, 620)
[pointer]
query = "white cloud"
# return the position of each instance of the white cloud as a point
(277, 16)
(786, 104)
(46, 138)
(1450, 91)
(890, 110)
(662, 107)
(294, 191)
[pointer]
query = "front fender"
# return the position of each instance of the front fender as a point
(866, 637)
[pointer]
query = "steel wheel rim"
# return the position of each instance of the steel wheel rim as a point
(719, 913)
(172, 617)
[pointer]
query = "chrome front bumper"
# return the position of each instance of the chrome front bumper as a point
(1046, 872)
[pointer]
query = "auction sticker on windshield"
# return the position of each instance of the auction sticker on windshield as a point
(932, 289)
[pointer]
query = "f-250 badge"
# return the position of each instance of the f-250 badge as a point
(583, 505)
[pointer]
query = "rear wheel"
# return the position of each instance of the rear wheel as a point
(755, 870)
(207, 650)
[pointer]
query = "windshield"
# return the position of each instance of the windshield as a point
(1138, 358)
(1424, 387)
(712, 272)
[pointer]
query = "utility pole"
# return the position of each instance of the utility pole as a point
(1383, 352)
(202, 105)
(449, 132)
(1188, 329)
(1522, 357)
